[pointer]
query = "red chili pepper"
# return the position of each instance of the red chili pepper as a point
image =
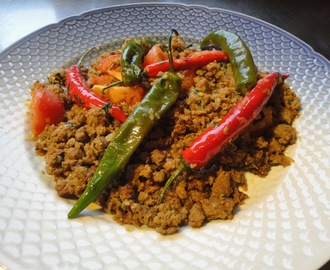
(82, 95)
(196, 61)
(214, 139)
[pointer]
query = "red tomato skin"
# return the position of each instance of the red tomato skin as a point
(108, 63)
(155, 55)
(46, 108)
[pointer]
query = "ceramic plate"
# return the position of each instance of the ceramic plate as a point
(285, 224)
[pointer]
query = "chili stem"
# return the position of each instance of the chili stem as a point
(170, 55)
(176, 173)
(84, 55)
(110, 85)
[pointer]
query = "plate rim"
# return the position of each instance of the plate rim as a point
(308, 47)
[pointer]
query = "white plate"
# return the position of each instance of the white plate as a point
(285, 224)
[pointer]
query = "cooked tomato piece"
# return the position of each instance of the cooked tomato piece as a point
(155, 55)
(104, 79)
(46, 108)
(118, 94)
(109, 62)
(188, 79)
(97, 89)
(129, 95)
(116, 73)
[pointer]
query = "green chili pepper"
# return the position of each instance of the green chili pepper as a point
(240, 57)
(131, 59)
(128, 137)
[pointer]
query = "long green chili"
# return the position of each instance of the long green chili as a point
(240, 57)
(128, 137)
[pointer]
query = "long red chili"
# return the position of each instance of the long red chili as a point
(83, 96)
(200, 59)
(214, 139)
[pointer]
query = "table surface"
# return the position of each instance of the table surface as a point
(307, 20)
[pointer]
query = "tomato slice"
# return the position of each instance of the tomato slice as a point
(108, 63)
(104, 79)
(46, 108)
(188, 79)
(129, 95)
(117, 94)
(155, 55)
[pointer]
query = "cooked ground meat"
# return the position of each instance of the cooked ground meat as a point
(73, 149)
